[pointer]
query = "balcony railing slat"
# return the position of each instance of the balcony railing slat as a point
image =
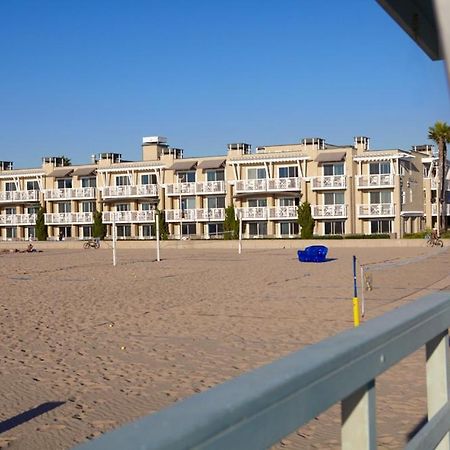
(259, 408)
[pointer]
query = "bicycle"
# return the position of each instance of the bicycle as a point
(434, 242)
(94, 243)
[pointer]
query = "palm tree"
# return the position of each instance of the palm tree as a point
(440, 133)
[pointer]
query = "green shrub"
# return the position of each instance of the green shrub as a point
(306, 221)
(419, 235)
(230, 224)
(367, 236)
(99, 228)
(41, 228)
(329, 236)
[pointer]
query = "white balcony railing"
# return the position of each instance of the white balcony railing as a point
(329, 182)
(435, 183)
(376, 210)
(375, 181)
(329, 211)
(18, 219)
(210, 187)
(180, 188)
(128, 216)
(195, 215)
(434, 209)
(139, 190)
(283, 212)
(19, 196)
(253, 213)
(267, 185)
(69, 193)
(76, 218)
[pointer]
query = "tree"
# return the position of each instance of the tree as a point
(440, 133)
(305, 221)
(99, 228)
(230, 224)
(163, 228)
(41, 228)
(66, 160)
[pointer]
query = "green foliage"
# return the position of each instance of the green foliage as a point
(163, 227)
(99, 228)
(305, 221)
(41, 228)
(368, 236)
(329, 236)
(66, 160)
(231, 224)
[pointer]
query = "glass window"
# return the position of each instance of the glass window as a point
(64, 207)
(11, 233)
(87, 207)
(147, 231)
(257, 203)
(334, 227)
(215, 230)
(32, 209)
(10, 186)
(288, 172)
(89, 182)
(333, 169)
(334, 198)
(257, 229)
(122, 180)
(215, 175)
(64, 183)
(380, 226)
(32, 185)
(379, 168)
(216, 202)
(287, 201)
(186, 177)
(123, 207)
(65, 232)
(10, 211)
(188, 229)
(188, 203)
(289, 228)
(148, 178)
(256, 173)
(146, 206)
(123, 231)
(378, 197)
(87, 231)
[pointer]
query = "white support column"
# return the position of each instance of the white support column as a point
(442, 13)
(438, 381)
(359, 419)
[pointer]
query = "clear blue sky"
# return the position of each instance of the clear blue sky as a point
(86, 76)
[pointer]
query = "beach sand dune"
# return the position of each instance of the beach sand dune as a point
(86, 347)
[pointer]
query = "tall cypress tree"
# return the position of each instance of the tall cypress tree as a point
(41, 228)
(305, 220)
(99, 228)
(231, 224)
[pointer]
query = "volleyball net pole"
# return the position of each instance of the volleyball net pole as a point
(114, 237)
(240, 232)
(157, 236)
(355, 296)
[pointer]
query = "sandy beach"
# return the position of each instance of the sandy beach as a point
(87, 347)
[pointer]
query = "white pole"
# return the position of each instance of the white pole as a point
(114, 231)
(157, 237)
(240, 231)
(363, 286)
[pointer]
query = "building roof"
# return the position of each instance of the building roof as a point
(84, 171)
(330, 156)
(183, 165)
(60, 172)
(211, 163)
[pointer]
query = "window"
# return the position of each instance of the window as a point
(64, 183)
(87, 231)
(186, 177)
(257, 203)
(216, 202)
(122, 180)
(32, 185)
(380, 226)
(215, 175)
(379, 168)
(146, 207)
(64, 207)
(403, 197)
(188, 203)
(32, 209)
(123, 207)
(65, 232)
(256, 173)
(87, 207)
(10, 211)
(123, 231)
(334, 227)
(188, 229)
(333, 169)
(289, 228)
(288, 172)
(10, 186)
(89, 182)
(257, 229)
(148, 178)
(380, 197)
(287, 201)
(215, 230)
(11, 233)
(30, 233)
(334, 198)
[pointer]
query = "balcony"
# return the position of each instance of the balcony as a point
(18, 219)
(140, 190)
(434, 209)
(329, 211)
(253, 213)
(375, 181)
(283, 212)
(19, 196)
(128, 216)
(77, 218)
(70, 193)
(376, 210)
(434, 184)
(329, 182)
(195, 215)
(267, 185)
(197, 188)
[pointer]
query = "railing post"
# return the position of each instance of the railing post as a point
(438, 379)
(358, 418)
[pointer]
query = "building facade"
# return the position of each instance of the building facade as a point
(352, 190)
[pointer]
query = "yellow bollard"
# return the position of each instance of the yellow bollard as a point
(355, 311)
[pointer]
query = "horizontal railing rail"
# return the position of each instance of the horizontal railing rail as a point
(256, 410)
(69, 193)
(140, 190)
(19, 196)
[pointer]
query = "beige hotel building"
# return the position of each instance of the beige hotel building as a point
(351, 189)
